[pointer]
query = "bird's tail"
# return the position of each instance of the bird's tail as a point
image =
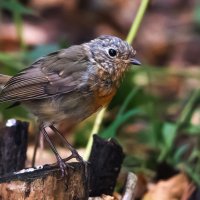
(4, 79)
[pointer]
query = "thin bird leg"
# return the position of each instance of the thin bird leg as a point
(60, 161)
(35, 148)
(69, 146)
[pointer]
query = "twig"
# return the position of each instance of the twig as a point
(130, 187)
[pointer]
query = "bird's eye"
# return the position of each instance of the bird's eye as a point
(112, 52)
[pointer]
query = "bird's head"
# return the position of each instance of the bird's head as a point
(112, 53)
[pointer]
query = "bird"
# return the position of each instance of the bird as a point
(69, 85)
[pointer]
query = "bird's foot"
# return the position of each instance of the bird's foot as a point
(76, 155)
(63, 167)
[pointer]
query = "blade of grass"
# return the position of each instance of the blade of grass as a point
(131, 35)
(182, 120)
(112, 129)
(127, 100)
(188, 109)
(17, 10)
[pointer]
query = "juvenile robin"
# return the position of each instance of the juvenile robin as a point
(69, 85)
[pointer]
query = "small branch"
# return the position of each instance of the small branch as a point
(130, 187)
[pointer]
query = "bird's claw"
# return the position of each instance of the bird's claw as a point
(63, 167)
(77, 156)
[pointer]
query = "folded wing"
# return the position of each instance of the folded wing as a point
(59, 72)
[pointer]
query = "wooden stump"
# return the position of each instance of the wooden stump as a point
(105, 163)
(45, 183)
(13, 146)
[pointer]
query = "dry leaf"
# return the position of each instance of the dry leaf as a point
(177, 187)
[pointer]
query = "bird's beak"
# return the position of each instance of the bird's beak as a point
(135, 62)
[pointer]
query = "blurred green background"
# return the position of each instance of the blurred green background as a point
(155, 114)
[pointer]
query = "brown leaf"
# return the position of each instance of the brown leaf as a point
(177, 187)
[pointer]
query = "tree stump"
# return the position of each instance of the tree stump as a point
(13, 146)
(105, 163)
(45, 183)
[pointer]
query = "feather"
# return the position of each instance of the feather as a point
(3, 80)
(57, 73)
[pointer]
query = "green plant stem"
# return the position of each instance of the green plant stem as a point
(95, 130)
(131, 35)
(188, 109)
(19, 27)
(137, 21)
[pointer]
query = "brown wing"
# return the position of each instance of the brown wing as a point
(59, 72)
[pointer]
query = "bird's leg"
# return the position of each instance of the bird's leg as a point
(35, 148)
(69, 146)
(60, 161)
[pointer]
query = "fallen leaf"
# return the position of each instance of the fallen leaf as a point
(176, 188)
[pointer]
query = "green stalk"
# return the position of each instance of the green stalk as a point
(135, 25)
(17, 13)
(188, 109)
(131, 35)
(19, 27)
(95, 130)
